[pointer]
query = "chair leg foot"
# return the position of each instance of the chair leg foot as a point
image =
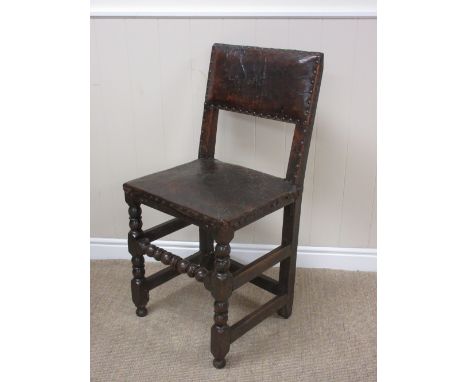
(285, 311)
(141, 311)
(140, 295)
(219, 363)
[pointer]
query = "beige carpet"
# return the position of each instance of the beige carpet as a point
(331, 335)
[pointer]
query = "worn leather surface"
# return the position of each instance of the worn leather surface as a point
(214, 192)
(272, 83)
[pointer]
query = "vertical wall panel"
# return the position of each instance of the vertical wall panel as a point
(118, 126)
(176, 82)
(339, 39)
(146, 96)
(203, 33)
(361, 152)
(146, 99)
(174, 40)
(100, 202)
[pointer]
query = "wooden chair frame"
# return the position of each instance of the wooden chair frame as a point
(238, 76)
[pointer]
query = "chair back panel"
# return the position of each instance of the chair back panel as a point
(269, 83)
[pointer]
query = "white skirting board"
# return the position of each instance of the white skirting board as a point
(350, 259)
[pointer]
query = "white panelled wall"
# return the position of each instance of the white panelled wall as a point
(148, 79)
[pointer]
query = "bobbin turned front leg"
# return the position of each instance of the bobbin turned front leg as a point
(221, 289)
(140, 294)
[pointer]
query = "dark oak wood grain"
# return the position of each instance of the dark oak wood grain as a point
(250, 271)
(165, 229)
(220, 198)
(263, 281)
(169, 273)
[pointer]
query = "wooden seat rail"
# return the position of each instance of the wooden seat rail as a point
(168, 273)
(164, 229)
(263, 281)
(257, 267)
(248, 322)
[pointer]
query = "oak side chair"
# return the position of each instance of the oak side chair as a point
(221, 198)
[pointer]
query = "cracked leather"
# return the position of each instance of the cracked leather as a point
(271, 83)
